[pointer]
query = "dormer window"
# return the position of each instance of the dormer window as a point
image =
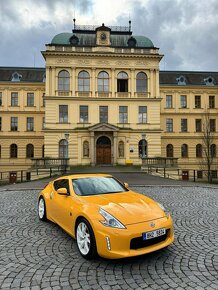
(131, 42)
(74, 40)
(44, 78)
(181, 81)
(209, 81)
(16, 77)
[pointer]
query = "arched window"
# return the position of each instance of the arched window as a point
(83, 81)
(122, 82)
(63, 81)
(85, 149)
(0, 151)
(63, 148)
(198, 150)
(121, 149)
(13, 151)
(213, 150)
(29, 151)
(141, 82)
(184, 150)
(103, 82)
(169, 150)
(142, 147)
(43, 151)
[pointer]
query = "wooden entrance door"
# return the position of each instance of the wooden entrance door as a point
(103, 150)
(13, 177)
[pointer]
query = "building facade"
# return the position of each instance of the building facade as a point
(101, 99)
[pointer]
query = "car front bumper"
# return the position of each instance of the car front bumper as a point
(115, 243)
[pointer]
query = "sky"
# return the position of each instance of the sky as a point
(186, 31)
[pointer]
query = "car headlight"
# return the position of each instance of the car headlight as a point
(163, 208)
(110, 221)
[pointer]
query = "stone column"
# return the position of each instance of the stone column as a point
(113, 83)
(132, 83)
(93, 83)
(92, 148)
(73, 82)
(115, 148)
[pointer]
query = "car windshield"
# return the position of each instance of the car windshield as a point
(97, 185)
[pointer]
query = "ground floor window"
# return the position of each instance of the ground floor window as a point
(63, 149)
(142, 148)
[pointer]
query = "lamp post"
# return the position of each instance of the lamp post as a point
(143, 145)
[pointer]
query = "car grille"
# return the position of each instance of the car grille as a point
(138, 243)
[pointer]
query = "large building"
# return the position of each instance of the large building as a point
(101, 99)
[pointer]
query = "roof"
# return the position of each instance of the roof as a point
(188, 78)
(26, 74)
(89, 39)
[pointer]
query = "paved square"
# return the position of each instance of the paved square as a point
(37, 255)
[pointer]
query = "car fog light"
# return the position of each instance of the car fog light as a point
(108, 243)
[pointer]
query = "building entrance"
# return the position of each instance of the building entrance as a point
(103, 150)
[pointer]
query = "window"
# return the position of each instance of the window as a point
(14, 99)
(212, 125)
(198, 125)
(103, 114)
(123, 114)
(121, 149)
(213, 150)
(63, 149)
(63, 113)
(184, 125)
(0, 98)
(0, 123)
(62, 183)
(14, 123)
(122, 82)
(184, 150)
(0, 151)
(30, 124)
(83, 117)
(103, 82)
(169, 125)
(211, 102)
(169, 150)
(43, 151)
(85, 149)
(141, 83)
(83, 81)
(43, 122)
(30, 99)
(199, 150)
(43, 100)
(214, 173)
(199, 174)
(13, 151)
(29, 151)
(183, 101)
(63, 81)
(142, 114)
(169, 101)
(142, 147)
(197, 102)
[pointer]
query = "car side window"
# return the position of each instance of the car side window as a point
(62, 183)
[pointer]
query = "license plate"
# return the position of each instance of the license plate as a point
(153, 234)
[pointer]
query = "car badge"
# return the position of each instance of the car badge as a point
(152, 225)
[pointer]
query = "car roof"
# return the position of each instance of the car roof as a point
(77, 176)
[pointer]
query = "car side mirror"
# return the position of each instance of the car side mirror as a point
(62, 191)
(126, 184)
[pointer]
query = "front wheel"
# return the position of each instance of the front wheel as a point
(42, 209)
(85, 239)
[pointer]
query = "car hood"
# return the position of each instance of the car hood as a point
(128, 207)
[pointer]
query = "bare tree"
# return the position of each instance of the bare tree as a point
(209, 151)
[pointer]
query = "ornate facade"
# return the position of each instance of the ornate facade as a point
(101, 99)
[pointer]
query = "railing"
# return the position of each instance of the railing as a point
(160, 162)
(94, 27)
(50, 163)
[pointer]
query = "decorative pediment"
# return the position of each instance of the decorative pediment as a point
(103, 127)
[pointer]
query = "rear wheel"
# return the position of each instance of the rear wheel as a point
(42, 209)
(85, 239)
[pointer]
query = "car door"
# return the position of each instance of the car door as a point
(62, 205)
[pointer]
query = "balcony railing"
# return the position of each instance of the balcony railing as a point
(50, 162)
(160, 162)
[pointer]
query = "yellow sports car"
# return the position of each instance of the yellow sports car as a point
(105, 216)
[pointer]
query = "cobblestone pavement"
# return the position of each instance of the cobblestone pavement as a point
(38, 255)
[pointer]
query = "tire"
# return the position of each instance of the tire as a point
(85, 239)
(42, 209)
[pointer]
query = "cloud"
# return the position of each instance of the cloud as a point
(184, 30)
